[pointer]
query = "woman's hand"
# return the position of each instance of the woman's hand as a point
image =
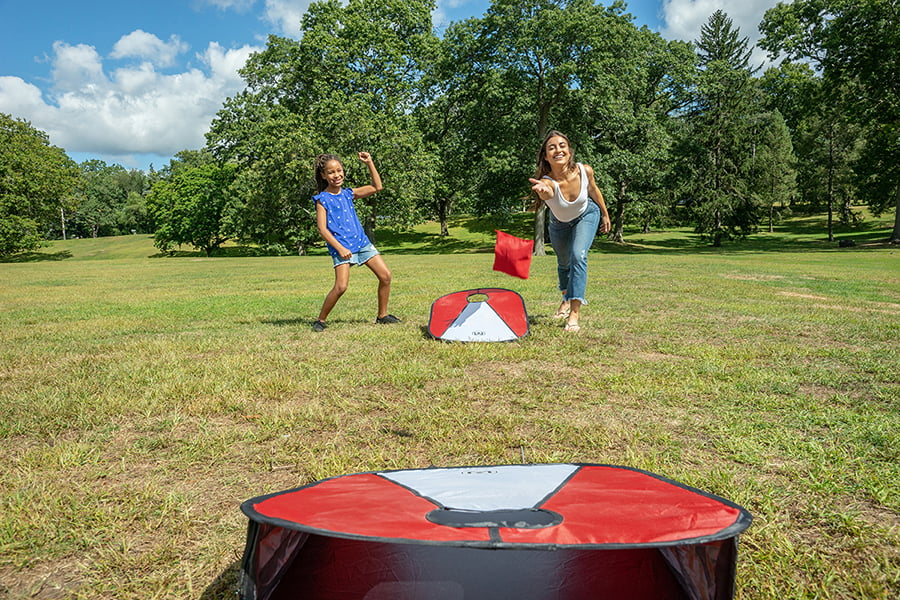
(605, 224)
(542, 187)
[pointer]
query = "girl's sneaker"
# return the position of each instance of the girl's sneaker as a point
(387, 319)
(319, 326)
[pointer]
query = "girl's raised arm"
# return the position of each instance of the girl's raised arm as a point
(368, 190)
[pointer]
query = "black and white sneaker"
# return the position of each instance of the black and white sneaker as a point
(319, 326)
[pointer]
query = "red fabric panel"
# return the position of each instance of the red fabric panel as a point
(511, 308)
(512, 255)
(599, 505)
(608, 505)
(445, 310)
(364, 505)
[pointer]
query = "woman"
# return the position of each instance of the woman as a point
(577, 209)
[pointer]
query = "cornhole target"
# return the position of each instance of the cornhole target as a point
(529, 532)
(479, 315)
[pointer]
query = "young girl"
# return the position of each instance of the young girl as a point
(347, 243)
(577, 209)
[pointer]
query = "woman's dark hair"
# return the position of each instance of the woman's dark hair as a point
(319, 166)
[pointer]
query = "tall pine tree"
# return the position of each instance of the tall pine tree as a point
(720, 144)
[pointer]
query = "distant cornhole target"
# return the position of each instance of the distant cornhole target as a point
(479, 315)
(529, 532)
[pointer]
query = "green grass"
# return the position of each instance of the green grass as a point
(143, 398)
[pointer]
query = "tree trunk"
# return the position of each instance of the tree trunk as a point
(369, 226)
(540, 225)
(443, 209)
(895, 236)
(717, 229)
(618, 226)
(830, 198)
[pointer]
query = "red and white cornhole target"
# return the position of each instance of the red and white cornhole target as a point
(525, 532)
(480, 315)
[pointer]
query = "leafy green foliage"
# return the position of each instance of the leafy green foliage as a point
(111, 202)
(189, 207)
(857, 44)
(721, 136)
(37, 182)
(349, 85)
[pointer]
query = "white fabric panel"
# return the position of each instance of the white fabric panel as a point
(478, 322)
(507, 487)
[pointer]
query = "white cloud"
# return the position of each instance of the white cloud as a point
(133, 109)
(146, 46)
(76, 65)
(684, 18)
(286, 15)
(238, 5)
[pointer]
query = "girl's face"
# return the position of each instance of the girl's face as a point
(333, 174)
(557, 151)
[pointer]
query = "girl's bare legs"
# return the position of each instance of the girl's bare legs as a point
(341, 280)
(380, 268)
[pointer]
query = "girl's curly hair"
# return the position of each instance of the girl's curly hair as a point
(319, 166)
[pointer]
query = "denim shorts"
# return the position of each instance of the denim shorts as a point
(360, 257)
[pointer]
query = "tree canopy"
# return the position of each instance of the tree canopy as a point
(37, 181)
(678, 132)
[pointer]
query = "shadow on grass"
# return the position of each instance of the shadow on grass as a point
(781, 240)
(226, 252)
(475, 235)
(27, 257)
(226, 585)
(308, 321)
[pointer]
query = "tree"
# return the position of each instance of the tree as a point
(111, 201)
(826, 139)
(723, 205)
(350, 84)
(852, 43)
(773, 177)
(631, 133)
(188, 207)
(526, 67)
(37, 182)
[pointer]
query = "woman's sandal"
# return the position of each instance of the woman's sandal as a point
(561, 314)
(572, 327)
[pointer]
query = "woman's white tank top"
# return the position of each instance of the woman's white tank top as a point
(561, 208)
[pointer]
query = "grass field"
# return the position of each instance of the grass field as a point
(143, 398)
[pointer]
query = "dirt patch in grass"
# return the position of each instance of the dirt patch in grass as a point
(51, 580)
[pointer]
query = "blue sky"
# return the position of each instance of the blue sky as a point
(135, 82)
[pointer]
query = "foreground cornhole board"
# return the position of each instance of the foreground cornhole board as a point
(542, 532)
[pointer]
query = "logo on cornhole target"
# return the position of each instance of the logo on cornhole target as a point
(479, 315)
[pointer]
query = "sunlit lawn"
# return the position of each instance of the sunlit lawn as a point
(143, 398)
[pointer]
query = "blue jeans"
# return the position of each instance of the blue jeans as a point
(571, 241)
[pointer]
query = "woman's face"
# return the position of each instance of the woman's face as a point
(557, 151)
(333, 173)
